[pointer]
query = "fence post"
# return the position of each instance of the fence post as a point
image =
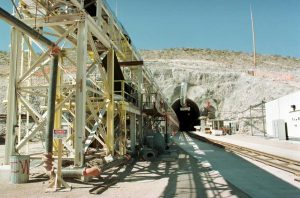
(251, 120)
(263, 116)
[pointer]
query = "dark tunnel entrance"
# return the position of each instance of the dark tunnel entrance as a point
(187, 119)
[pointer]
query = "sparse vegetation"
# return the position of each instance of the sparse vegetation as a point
(4, 58)
(227, 77)
(224, 76)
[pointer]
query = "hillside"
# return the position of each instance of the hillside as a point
(228, 80)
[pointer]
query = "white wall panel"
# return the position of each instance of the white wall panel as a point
(281, 109)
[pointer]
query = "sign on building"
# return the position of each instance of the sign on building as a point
(294, 122)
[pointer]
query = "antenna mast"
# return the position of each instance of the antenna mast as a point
(253, 36)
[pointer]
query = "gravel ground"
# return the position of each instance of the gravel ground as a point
(182, 176)
(200, 170)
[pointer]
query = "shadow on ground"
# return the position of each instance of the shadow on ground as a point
(200, 170)
(184, 177)
(239, 173)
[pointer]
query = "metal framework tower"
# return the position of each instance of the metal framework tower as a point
(99, 84)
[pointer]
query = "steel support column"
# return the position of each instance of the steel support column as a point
(99, 13)
(11, 104)
(132, 132)
(111, 107)
(166, 130)
(21, 55)
(58, 112)
(123, 136)
(80, 98)
(140, 99)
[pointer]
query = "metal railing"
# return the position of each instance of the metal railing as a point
(128, 91)
(148, 105)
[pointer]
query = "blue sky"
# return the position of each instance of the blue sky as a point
(215, 24)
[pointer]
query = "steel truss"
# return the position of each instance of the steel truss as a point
(86, 103)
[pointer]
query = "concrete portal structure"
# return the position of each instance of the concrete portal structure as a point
(188, 117)
(284, 111)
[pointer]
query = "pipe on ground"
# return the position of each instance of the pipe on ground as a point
(149, 154)
(95, 170)
(77, 172)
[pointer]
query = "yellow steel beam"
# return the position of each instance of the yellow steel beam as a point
(123, 111)
(58, 112)
(110, 108)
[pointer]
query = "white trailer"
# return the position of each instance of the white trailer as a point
(285, 109)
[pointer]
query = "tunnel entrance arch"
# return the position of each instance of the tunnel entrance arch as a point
(209, 111)
(187, 119)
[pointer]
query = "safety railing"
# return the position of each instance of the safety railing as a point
(127, 91)
(148, 105)
(154, 101)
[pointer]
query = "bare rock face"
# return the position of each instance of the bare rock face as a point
(227, 80)
(4, 71)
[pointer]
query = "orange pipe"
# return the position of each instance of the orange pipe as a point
(93, 171)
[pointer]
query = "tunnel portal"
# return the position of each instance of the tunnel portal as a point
(187, 119)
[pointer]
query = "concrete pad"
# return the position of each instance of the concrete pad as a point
(183, 177)
(236, 171)
(5, 173)
(199, 170)
(277, 147)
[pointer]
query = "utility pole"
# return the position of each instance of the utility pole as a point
(253, 36)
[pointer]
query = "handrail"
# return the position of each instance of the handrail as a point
(125, 88)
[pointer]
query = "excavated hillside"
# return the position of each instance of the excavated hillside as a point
(4, 72)
(227, 80)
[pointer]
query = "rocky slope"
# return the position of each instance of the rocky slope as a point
(4, 72)
(228, 80)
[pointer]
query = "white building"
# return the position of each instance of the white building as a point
(283, 116)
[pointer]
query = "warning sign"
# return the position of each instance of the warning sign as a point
(60, 133)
